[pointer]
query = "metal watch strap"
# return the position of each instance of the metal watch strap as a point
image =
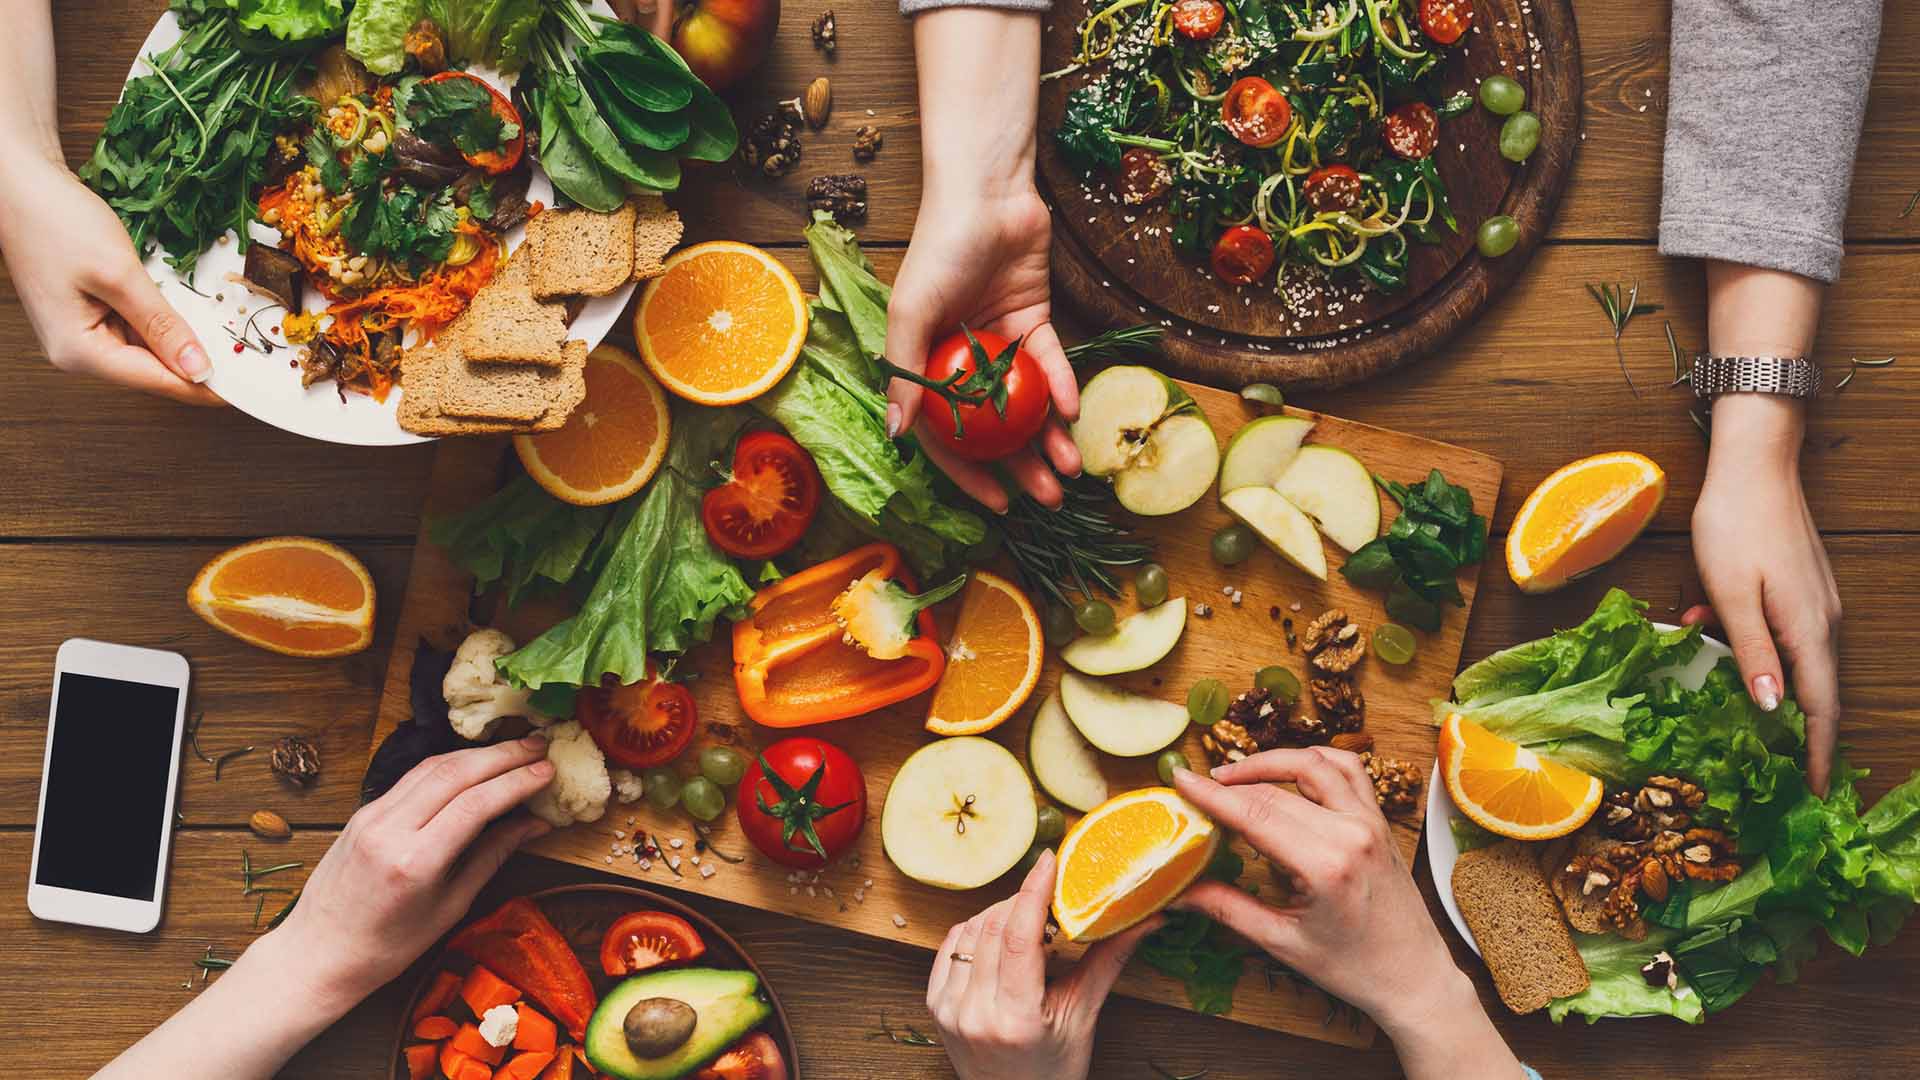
(1795, 376)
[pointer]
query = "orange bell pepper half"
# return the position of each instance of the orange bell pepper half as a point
(793, 664)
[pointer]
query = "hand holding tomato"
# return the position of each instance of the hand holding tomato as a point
(802, 802)
(983, 396)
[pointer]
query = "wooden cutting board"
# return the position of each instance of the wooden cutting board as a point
(867, 896)
(1118, 265)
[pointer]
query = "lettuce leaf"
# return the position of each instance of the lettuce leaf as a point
(1717, 737)
(520, 538)
(849, 286)
(1617, 987)
(493, 33)
(292, 20)
(377, 30)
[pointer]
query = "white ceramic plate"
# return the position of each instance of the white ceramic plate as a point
(1443, 850)
(266, 387)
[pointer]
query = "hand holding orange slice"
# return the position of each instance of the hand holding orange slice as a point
(1508, 789)
(994, 657)
(612, 444)
(1581, 517)
(722, 324)
(288, 594)
(1128, 858)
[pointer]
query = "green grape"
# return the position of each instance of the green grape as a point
(662, 787)
(1094, 616)
(1207, 702)
(1502, 95)
(1056, 621)
(1031, 857)
(1168, 761)
(1233, 544)
(1519, 136)
(723, 765)
(1393, 643)
(1284, 684)
(1496, 236)
(1150, 585)
(703, 798)
(1052, 825)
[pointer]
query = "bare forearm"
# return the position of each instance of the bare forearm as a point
(977, 115)
(1449, 1035)
(30, 124)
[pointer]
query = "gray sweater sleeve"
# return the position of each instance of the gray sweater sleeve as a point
(1765, 99)
(915, 7)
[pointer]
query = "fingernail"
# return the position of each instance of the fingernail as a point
(535, 741)
(193, 361)
(542, 768)
(893, 420)
(1766, 691)
(1216, 771)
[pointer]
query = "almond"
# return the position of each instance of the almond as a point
(817, 102)
(269, 825)
(1355, 742)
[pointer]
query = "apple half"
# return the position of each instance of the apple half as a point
(1138, 641)
(960, 813)
(1118, 721)
(1336, 491)
(1281, 525)
(1146, 436)
(1260, 452)
(1063, 762)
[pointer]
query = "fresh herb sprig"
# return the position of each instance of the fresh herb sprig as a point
(904, 1035)
(1621, 304)
(1140, 340)
(1853, 368)
(1435, 535)
(1077, 546)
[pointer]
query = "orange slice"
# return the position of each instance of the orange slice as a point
(612, 444)
(1582, 516)
(290, 594)
(1128, 858)
(722, 324)
(1510, 790)
(993, 659)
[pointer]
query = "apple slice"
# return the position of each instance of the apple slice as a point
(1063, 761)
(1281, 524)
(1143, 433)
(1140, 640)
(960, 813)
(1259, 453)
(1336, 491)
(1117, 721)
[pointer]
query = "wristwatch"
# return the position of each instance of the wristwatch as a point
(1796, 376)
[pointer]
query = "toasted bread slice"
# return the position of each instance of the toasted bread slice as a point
(1516, 921)
(580, 252)
(505, 325)
(657, 230)
(540, 398)
(423, 377)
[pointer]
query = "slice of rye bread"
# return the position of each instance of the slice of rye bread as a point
(580, 252)
(1517, 923)
(504, 324)
(542, 398)
(423, 376)
(657, 230)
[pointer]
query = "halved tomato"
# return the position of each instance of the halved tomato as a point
(505, 158)
(756, 1057)
(1144, 178)
(1332, 188)
(1198, 20)
(647, 939)
(640, 725)
(1255, 112)
(1412, 130)
(1445, 20)
(768, 503)
(1242, 255)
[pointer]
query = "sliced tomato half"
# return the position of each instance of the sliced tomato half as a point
(1242, 255)
(1255, 112)
(1198, 20)
(640, 725)
(505, 158)
(1445, 20)
(647, 939)
(756, 1057)
(769, 502)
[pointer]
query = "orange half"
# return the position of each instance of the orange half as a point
(289, 594)
(1508, 789)
(994, 657)
(612, 444)
(722, 324)
(1581, 517)
(1128, 858)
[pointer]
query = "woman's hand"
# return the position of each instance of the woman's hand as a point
(1353, 920)
(979, 253)
(90, 301)
(998, 1018)
(1765, 568)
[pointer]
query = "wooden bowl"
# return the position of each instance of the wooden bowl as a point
(583, 913)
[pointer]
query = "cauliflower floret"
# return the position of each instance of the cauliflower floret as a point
(500, 1024)
(477, 697)
(581, 786)
(627, 785)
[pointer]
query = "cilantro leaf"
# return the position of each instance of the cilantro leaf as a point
(458, 112)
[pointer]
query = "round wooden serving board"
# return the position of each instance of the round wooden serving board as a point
(1117, 263)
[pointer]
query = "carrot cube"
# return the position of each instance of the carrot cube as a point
(535, 1032)
(483, 990)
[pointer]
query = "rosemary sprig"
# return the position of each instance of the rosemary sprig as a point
(1908, 212)
(193, 737)
(1621, 304)
(248, 875)
(1076, 546)
(1168, 1074)
(221, 761)
(905, 1034)
(1142, 339)
(284, 912)
(1853, 368)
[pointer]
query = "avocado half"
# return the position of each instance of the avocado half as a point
(727, 1004)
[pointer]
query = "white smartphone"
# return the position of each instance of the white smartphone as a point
(107, 788)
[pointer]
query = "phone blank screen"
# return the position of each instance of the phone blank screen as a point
(106, 803)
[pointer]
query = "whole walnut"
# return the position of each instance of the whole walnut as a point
(296, 760)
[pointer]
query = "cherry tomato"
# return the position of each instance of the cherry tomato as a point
(1332, 188)
(756, 1057)
(1144, 178)
(505, 158)
(1255, 112)
(1411, 130)
(985, 432)
(639, 725)
(821, 792)
(1198, 20)
(647, 939)
(1242, 255)
(1445, 20)
(769, 502)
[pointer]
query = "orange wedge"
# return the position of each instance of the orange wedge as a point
(612, 444)
(1581, 517)
(1510, 790)
(722, 324)
(1128, 858)
(290, 594)
(993, 659)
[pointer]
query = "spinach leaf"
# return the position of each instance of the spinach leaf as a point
(582, 117)
(712, 134)
(645, 79)
(1339, 122)
(1436, 533)
(572, 168)
(653, 130)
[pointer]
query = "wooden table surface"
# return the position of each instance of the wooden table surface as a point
(113, 500)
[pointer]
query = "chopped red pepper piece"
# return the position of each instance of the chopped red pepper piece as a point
(525, 949)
